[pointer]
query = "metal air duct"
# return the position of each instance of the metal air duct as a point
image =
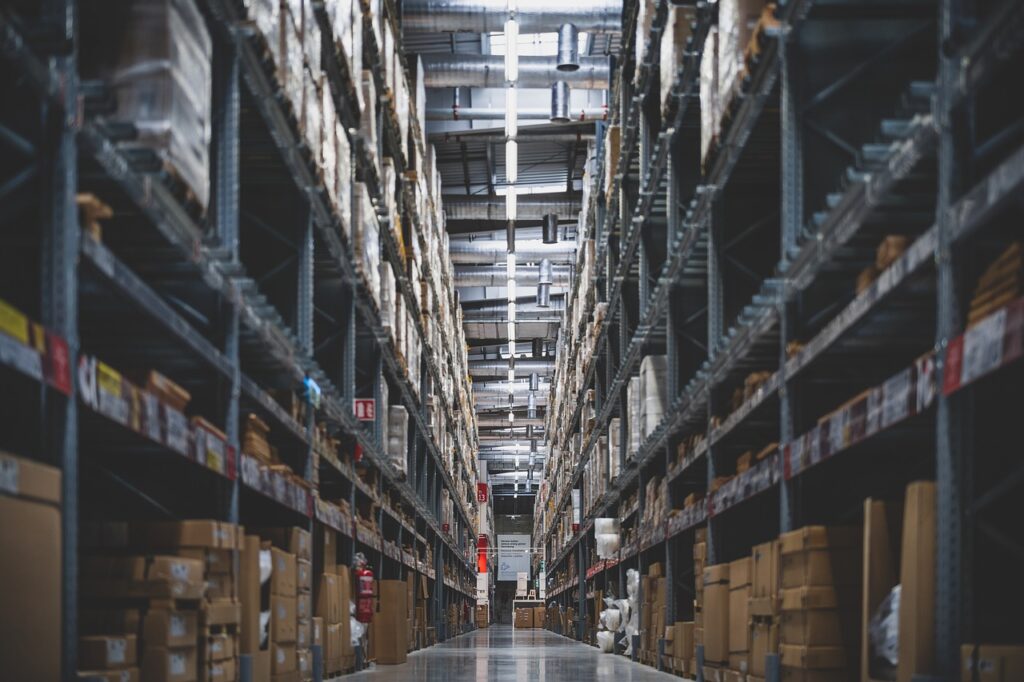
(568, 48)
(550, 229)
(491, 251)
(560, 102)
(497, 276)
(525, 310)
(488, 16)
(454, 113)
(460, 70)
(544, 282)
(492, 422)
(499, 368)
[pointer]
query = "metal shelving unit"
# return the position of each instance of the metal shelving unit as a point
(170, 289)
(724, 289)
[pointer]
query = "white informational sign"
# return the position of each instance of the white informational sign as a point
(513, 556)
(482, 589)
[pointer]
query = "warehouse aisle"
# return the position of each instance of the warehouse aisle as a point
(501, 653)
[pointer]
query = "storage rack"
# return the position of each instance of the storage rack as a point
(792, 225)
(169, 291)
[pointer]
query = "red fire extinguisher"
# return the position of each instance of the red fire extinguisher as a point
(364, 590)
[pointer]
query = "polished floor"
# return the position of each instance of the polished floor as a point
(501, 653)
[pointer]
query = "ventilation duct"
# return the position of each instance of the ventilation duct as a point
(496, 423)
(491, 251)
(489, 16)
(560, 102)
(499, 368)
(497, 276)
(568, 48)
(550, 229)
(538, 351)
(528, 207)
(461, 70)
(544, 282)
(534, 378)
(502, 389)
(526, 310)
(486, 114)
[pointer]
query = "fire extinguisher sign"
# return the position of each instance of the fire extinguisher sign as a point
(365, 409)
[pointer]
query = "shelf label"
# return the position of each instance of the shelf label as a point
(365, 409)
(175, 430)
(59, 363)
(20, 356)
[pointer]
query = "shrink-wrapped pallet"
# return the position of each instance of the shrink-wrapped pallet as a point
(653, 390)
(162, 81)
(736, 22)
(398, 429)
(710, 116)
(673, 48)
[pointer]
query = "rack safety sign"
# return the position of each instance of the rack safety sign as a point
(365, 409)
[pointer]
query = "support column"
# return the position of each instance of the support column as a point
(716, 305)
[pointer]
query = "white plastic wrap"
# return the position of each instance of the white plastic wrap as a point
(710, 118)
(607, 545)
(885, 629)
(736, 21)
(357, 630)
(606, 641)
(162, 81)
(634, 427)
(673, 47)
(653, 390)
(366, 238)
(398, 430)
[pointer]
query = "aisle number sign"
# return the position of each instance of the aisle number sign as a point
(365, 409)
(481, 492)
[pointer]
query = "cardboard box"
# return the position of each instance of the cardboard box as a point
(524, 618)
(283, 623)
(991, 662)
(220, 647)
(765, 570)
(390, 618)
(739, 617)
(304, 660)
(716, 614)
(202, 533)
(216, 561)
(682, 640)
(822, 675)
(839, 566)
(801, 598)
(293, 540)
(161, 664)
(818, 627)
(330, 549)
(304, 606)
(819, 537)
(107, 652)
(221, 671)
(304, 633)
(249, 591)
(283, 573)
(283, 658)
(167, 628)
(328, 603)
(221, 587)
(318, 631)
(882, 523)
(303, 575)
(345, 588)
(917, 580)
(764, 640)
(796, 656)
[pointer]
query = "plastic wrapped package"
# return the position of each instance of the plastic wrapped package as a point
(388, 299)
(163, 82)
(673, 47)
(290, 62)
(613, 448)
(266, 15)
(653, 388)
(366, 238)
(644, 22)
(312, 43)
(347, 24)
(329, 146)
(368, 116)
(344, 177)
(884, 631)
(606, 641)
(736, 21)
(633, 424)
(398, 430)
(607, 544)
(312, 121)
(710, 118)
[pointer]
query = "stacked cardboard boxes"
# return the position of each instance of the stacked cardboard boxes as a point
(31, 531)
(389, 622)
(715, 613)
(673, 48)
(284, 662)
(1001, 282)
(700, 556)
(739, 615)
(654, 590)
(820, 580)
(764, 607)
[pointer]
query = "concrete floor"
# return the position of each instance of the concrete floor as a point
(501, 653)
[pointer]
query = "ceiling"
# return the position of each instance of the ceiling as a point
(471, 161)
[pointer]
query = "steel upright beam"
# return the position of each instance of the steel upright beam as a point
(716, 304)
(225, 193)
(59, 305)
(304, 303)
(948, 417)
(791, 212)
